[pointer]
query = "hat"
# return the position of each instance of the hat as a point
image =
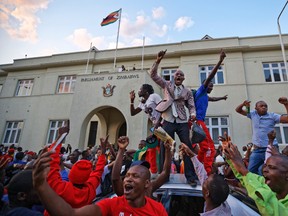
(141, 163)
(80, 172)
(30, 153)
(11, 151)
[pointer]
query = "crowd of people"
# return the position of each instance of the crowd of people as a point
(59, 181)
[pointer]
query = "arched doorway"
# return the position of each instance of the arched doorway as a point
(103, 121)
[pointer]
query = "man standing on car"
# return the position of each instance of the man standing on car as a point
(207, 150)
(175, 98)
(262, 123)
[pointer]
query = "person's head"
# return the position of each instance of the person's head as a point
(80, 172)
(137, 180)
(275, 172)
(11, 151)
(141, 144)
(62, 150)
(145, 90)
(19, 155)
(285, 151)
(98, 152)
(21, 192)
(85, 154)
(215, 189)
(178, 77)
(74, 156)
(261, 107)
(209, 87)
(19, 149)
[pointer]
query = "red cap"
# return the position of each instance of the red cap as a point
(80, 172)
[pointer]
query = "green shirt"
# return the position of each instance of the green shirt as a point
(266, 200)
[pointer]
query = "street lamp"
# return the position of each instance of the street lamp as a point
(281, 41)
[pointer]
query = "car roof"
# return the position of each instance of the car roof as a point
(177, 186)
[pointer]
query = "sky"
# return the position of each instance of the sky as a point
(33, 28)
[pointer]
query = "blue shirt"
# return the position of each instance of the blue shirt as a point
(261, 126)
(201, 102)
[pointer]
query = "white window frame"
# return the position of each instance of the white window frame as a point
(66, 81)
(24, 87)
(12, 132)
(279, 66)
(280, 128)
(219, 126)
(52, 133)
(168, 72)
(206, 70)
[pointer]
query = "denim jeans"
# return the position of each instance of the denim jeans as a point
(256, 160)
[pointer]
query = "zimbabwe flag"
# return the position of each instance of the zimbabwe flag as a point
(111, 18)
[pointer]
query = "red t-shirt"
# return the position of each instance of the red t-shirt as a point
(119, 206)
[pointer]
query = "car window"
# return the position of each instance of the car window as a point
(186, 205)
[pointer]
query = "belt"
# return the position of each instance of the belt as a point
(257, 147)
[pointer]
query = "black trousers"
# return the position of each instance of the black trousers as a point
(182, 130)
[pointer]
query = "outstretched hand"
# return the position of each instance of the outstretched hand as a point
(160, 55)
(123, 142)
(64, 129)
(132, 96)
(41, 168)
(271, 135)
(232, 153)
(222, 55)
(283, 100)
(167, 145)
(186, 150)
(103, 143)
(226, 140)
(246, 103)
(273, 150)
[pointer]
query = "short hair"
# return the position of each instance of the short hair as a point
(218, 189)
(261, 101)
(20, 155)
(148, 88)
(284, 160)
(21, 182)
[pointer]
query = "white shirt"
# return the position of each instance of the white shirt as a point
(153, 100)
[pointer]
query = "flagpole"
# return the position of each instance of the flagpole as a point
(117, 39)
(143, 52)
(88, 58)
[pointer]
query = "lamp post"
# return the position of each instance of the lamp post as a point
(280, 37)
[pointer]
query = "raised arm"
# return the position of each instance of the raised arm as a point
(133, 111)
(153, 72)
(215, 69)
(164, 175)
(284, 101)
(117, 182)
(53, 203)
(239, 108)
(214, 99)
(199, 167)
